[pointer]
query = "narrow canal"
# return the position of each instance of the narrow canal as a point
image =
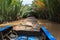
(53, 28)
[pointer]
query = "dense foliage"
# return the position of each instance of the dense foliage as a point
(13, 10)
(42, 9)
(47, 9)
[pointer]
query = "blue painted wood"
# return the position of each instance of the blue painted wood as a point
(4, 28)
(26, 38)
(31, 38)
(22, 38)
(47, 33)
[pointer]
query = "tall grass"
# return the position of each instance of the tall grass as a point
(13, 10)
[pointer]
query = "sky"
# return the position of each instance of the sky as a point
(27, 2)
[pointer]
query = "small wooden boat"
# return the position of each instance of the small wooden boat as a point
(27, 30)
(7, 33)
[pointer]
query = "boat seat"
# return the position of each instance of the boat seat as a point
(5, 31)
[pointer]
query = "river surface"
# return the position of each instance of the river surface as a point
(52, 27)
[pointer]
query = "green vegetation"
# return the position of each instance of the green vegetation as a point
(13, 10)
(47, 9)
(42, 9)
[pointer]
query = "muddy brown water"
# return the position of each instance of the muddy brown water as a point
(52, 27)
